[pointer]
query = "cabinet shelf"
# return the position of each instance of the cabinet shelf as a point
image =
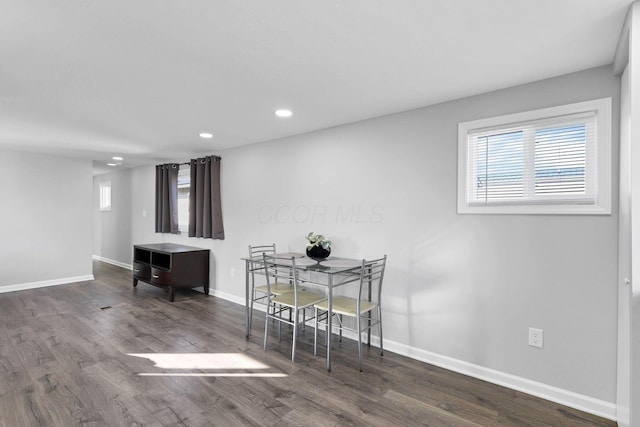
(161, 260)
(141, 255)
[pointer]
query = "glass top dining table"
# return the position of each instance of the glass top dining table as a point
(331, 272)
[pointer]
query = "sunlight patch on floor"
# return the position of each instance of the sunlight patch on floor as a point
(206, 361)
(219, 374)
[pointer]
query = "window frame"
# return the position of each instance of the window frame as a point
(104, 193)
(602, 162)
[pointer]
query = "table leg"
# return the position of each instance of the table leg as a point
(246, 298)
(329, 319)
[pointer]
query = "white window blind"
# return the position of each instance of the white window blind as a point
(558, 156)
(532, 162)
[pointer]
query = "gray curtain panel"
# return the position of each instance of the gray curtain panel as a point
(205, 210)
(167, 198)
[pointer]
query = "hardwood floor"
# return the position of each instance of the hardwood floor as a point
(66, 360)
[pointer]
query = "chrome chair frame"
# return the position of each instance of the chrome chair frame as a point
(284, 269)
(257, 268)
(371, 274)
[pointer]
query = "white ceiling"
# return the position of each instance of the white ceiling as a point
(141, 79)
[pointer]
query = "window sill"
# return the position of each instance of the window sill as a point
(536, 209)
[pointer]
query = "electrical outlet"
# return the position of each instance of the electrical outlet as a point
(536, 337)
(232, 272)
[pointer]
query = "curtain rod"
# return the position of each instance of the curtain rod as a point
(189, 163)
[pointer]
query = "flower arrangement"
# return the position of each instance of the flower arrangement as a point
(318, 240)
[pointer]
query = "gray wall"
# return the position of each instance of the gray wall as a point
(466, 287)
(112, 229)
(45, 220)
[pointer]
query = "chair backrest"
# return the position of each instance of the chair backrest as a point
(371, 278)
(279, 269)
(256, 251)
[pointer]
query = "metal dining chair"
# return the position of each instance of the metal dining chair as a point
(256, 269)
(361, 308)
(284, 270)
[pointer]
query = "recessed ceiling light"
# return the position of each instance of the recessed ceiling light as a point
(117, 158)
(283, 113)
(111, 164)
(206, 135)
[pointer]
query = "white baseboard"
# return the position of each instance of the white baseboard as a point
(578, 401)
(45, 283)
(228, 297)
(113, 262)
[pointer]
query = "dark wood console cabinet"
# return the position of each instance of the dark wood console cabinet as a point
(171, 265)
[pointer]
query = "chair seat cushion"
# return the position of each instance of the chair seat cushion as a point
(276, 288)
(305, 299)
(347, 306)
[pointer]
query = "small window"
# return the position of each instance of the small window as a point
(550, 161)
(105, 196)
(184, 188)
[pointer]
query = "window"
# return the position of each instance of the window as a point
(105, 196)
(184, 187)
(550, 161)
